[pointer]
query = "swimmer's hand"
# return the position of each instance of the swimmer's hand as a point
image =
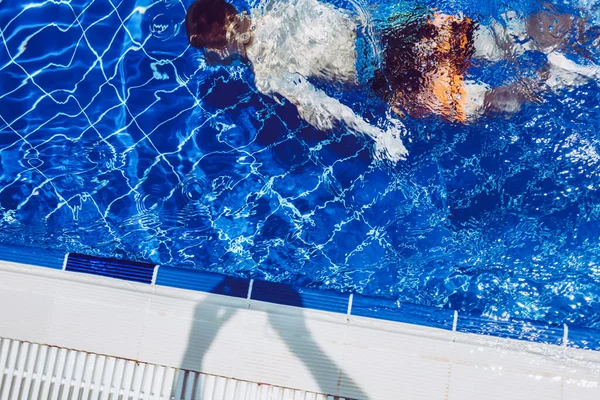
(388, 144)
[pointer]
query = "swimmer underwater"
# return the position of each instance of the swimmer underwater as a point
(424, 64)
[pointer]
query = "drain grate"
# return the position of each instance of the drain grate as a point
(30, 371)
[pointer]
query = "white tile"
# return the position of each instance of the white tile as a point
(581, 374)
(582, 364)
(7, 267)
(27, 301)
(99, 329)
(512, 355)
(512, 368)
(381, 364)
(98, 319)
(291, 350)
(581, 389)
(26, 316)
(180, 332)
(121, 294)
(499, 383)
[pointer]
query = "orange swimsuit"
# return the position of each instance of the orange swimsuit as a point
(442, 91)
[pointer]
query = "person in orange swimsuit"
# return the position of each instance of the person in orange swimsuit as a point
(426, 60)
(425, 64)
(452, 48)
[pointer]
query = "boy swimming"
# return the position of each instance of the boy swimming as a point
(286, 43)
(423, 70)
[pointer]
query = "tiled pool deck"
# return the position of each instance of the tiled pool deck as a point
(297, 338)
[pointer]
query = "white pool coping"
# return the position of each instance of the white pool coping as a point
(289, 347)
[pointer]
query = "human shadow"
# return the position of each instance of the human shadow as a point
(210, 316)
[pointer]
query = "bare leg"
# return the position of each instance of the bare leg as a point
(510, 98)
(547, 32)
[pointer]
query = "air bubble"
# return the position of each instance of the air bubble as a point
(163, 27)
(195, 188)
(193, 66)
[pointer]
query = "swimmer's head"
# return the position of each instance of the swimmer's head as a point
(216, 26)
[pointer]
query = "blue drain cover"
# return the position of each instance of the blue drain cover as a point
(190, 279)
(120, 269)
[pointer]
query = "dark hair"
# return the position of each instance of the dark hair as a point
(206, 23)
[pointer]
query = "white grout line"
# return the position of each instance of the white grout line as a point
(64, 266)
(350, 298)
(455, 322)
(154, 274)
(249, 291)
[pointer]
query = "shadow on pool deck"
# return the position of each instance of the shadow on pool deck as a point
(291, 328)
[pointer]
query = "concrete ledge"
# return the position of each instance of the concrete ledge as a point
(288, 346)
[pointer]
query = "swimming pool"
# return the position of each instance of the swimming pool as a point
(118, 140)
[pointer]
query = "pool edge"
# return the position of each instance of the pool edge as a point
(435, 348)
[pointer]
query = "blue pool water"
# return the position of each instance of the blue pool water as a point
(116, 139)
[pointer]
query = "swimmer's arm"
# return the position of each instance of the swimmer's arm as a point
(324, 113)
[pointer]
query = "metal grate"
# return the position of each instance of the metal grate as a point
(30, 371)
